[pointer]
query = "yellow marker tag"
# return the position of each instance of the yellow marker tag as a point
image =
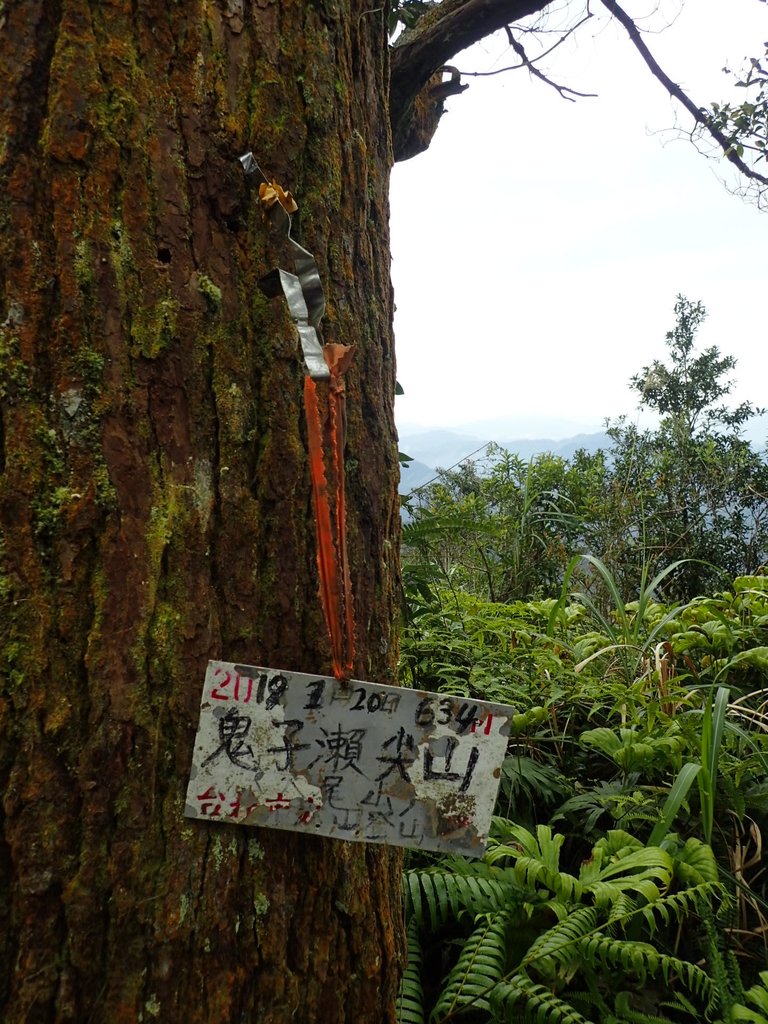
(269, 194)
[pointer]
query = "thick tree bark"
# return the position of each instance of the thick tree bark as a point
(155, 501)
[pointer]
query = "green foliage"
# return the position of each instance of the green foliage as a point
(540, 933)
(522, 999)
(758, 996)
(695, 488)
(480, 966)
(633, 627)
(410, 1002)
(675, 798)
(685, 393)
(745, 124)
(433, 895)
(640, 737)
(680, 508)
(633, 798)
(531, 785)
(713, 724)
(504, 535)
(631, 750)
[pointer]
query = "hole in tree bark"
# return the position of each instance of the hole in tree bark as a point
(164, 255)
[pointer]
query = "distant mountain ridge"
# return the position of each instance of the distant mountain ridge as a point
(441, 449)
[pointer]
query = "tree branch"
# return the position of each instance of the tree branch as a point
(439, 35)
(417, 90)
(674, 90)
(528, 63)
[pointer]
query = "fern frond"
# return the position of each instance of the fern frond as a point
(642, 959)
(531, 873)
(626, 1014)
(433, 895)
(622, 907)
(536, 857)
(560, 943)
(626, 866)
(676, 905)
(410, 998)
(743, 1013)
(481, 964)
(681, 1006)
(522, 999)
(722, 964)
(758, 995)
(543, 847)
(694, 862)
(617, 843)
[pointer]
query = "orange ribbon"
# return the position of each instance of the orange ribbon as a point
(326, 462)
(325, 434)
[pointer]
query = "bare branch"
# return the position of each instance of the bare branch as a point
(561, 89)
(528, 62)
(562, 36)
(674, 90)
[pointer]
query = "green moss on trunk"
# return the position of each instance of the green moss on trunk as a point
(155, 502)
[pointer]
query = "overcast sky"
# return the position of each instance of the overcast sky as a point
(538, 245)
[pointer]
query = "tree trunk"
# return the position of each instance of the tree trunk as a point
(155, 500)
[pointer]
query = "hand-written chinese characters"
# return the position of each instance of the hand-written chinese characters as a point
(341, 749)
(362, 761)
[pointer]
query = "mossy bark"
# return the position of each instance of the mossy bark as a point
(155, 501)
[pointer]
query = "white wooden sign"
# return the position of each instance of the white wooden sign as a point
(361, 761)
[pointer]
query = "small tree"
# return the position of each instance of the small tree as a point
(685, 393)
(694, 488)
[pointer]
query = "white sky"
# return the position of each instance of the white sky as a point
(539, 245)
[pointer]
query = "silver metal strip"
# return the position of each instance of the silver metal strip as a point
(303, 290)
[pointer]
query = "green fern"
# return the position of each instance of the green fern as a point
(620, 864)
(758, 996)
(677, 905)
(576, 943)
(618, 798)
(626, 1014)
(435, 895)
(529, 786)
(642, 959)
(559, 945)
(521, 999)
(519, 882)
(693, 862)
(536, 858)
(410, 998)
(478, 970)
(723, 965)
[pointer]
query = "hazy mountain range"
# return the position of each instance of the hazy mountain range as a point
(441, 449)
